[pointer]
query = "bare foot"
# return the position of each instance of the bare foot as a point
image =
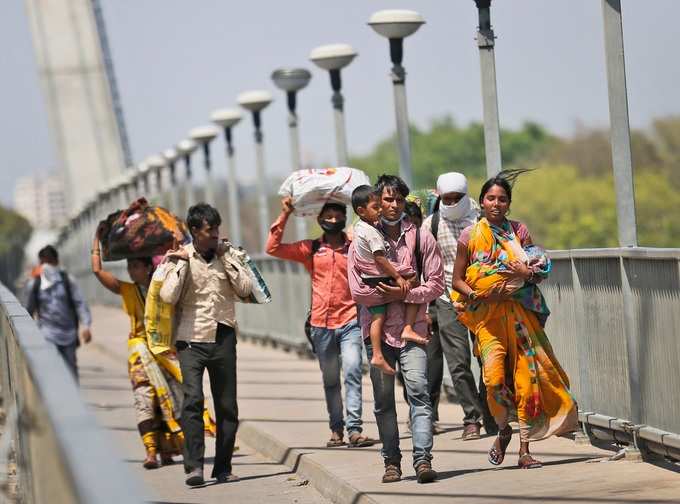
(378, 361)
(408, 334)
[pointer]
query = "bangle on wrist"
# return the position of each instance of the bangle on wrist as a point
(95, 252)
(472, 295)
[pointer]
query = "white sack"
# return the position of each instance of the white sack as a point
(313, 188)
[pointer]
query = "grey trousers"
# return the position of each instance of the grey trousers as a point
(68, 353)
(455, 345)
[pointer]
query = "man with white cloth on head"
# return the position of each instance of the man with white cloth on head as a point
(455, 211)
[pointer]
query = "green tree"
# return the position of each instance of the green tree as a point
(14, 233)
(445, 146)
(564, 209)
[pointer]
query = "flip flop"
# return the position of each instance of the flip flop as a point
(334, 441)
(357, 440)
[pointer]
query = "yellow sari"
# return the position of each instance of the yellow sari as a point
(156, 381)
(523, 378)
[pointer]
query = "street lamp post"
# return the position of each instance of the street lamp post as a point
(186, 147)
(487, 60)
(396, 25)
(334, 57)
(620, 126)
(143, 170)
(156, 164)
(123, 190)
(227, 119)
(131, 191)
(292, 80)
(255, 102)
(110, 194)
(203, 136)
(171, 155)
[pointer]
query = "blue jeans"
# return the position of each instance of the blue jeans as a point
(335, 348)
(413, 363)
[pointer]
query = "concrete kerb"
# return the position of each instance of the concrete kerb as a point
(326, 483)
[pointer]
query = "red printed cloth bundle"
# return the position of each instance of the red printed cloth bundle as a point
(140, 231)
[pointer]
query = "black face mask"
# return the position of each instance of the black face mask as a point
(332, 227)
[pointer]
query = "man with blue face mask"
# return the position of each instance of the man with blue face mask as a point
(455, 211)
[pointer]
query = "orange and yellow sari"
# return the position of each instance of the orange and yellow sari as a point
(524, 380)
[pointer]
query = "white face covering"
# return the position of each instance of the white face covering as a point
(50, 275)
(453, 182)
(387, 222)
(457, 211)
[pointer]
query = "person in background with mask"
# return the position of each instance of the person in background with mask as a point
(56, 301)
(335, 330)
(455, 211)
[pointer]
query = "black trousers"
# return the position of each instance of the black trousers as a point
(219, 359)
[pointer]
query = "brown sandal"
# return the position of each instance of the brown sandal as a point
(526, 461)
(335, 440)
(497, 455)
(358, 440)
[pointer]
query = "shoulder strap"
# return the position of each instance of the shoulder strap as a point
(34, 298)
(69, 295)
(418, 254)
(434, 224)
(316, 245)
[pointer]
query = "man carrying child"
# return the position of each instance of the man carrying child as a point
(407, 247)
(370, 249)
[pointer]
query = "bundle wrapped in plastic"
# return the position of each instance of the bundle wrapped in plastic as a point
(260, 292)
(311, 189)
(140, 231)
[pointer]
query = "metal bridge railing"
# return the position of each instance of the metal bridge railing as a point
(615, 326)
(61, 454)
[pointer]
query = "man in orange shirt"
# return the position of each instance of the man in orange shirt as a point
(335, 330)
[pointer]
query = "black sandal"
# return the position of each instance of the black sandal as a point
(335, 440)
(496, 456)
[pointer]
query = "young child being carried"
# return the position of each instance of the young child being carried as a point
(370, 249)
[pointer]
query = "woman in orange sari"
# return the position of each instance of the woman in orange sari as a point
(494, 280)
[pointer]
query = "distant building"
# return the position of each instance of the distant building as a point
(41, 200)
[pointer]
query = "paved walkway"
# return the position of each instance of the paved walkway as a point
(283, 417)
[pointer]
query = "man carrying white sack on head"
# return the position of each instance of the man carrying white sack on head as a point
(454, 211)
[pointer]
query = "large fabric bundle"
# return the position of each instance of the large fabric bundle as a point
(140, 231)
(311, 189)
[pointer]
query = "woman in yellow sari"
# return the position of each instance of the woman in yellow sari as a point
(494, 280)
(155, 377)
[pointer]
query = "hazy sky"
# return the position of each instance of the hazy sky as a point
(176, 61)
